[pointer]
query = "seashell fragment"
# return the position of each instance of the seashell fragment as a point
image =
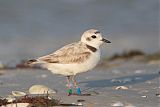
(80, 104)
(121, 87)
(18, 93)
(10, 99)
(118, 104)
(16, 105)
(40, 89)
(144, 96)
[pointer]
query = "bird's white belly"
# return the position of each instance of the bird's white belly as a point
(73, 69)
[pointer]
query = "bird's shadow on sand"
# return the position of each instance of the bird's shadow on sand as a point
(121, 81)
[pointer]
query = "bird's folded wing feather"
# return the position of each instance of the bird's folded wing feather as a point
(73, 53)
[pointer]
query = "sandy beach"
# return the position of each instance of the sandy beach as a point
(132, 84)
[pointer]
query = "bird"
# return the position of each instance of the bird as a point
(74, 58)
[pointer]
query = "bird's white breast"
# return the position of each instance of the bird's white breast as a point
(90, 63)
(73, 69)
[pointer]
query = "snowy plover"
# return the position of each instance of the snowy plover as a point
(74, 58)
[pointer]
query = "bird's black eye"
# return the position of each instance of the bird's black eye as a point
(93, 36)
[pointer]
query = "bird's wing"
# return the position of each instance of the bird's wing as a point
(72, 53)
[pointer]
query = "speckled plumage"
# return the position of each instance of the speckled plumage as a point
(69, 54)
(76, 57)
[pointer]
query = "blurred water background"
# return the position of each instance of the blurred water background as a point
(32, 28)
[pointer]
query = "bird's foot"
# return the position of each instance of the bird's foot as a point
(69, 92)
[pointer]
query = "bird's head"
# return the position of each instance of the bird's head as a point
(93, 38)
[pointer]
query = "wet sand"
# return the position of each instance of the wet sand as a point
(142, 81)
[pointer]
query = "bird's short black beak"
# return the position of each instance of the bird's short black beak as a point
(106, 41)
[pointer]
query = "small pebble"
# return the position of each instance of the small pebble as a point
(118, 104)
(144, 96)
(49, 98)
(158, 95)
(121, 87)
(80, 104)
(80, 100)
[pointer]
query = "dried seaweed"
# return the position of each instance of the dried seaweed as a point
(34, 101)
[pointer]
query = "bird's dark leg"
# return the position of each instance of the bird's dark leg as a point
(74, 81)
(68, 81)
(69, 91)
(76, 85)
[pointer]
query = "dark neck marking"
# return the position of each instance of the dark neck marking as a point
(93, 49)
